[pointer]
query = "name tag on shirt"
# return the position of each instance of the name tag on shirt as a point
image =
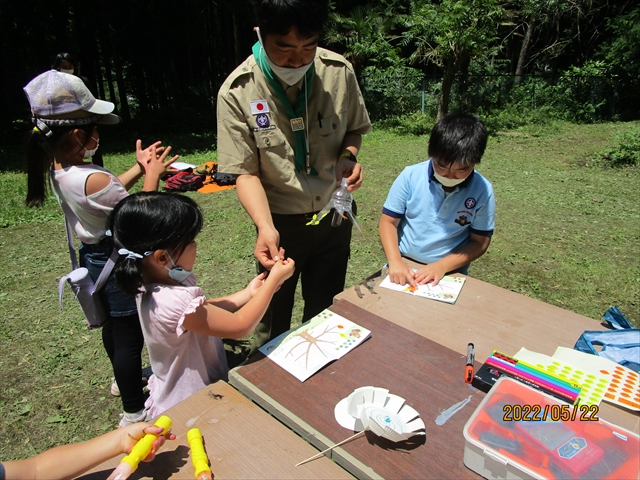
(297, 124)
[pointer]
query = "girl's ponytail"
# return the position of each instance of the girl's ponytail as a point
(39, 159)
(128, 274)
(42, 141)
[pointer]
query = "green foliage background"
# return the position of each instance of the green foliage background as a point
(567, 232)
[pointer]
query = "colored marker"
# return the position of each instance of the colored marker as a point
(469, 370)
(571, 397)
(520, 365)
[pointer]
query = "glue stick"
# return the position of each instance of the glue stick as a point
(198, 455)
(139, 452)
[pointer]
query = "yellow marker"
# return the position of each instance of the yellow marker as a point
(198, 455)
(129, 464)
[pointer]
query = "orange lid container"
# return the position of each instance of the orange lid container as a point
(519, 432)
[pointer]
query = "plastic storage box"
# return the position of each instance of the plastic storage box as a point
(518, 432)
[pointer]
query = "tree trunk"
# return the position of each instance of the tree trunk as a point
(524, 51)
(463, 84)
(450, 71)
(122, 89)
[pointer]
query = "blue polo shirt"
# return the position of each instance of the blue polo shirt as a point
(432, 224)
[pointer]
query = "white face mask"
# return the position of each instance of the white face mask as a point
(449, 182)
(92, 152)
(290, 76)
(177, 273)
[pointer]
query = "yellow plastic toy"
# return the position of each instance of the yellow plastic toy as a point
(198, 455)
(129, 464)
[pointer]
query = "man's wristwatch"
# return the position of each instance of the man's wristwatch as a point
(348, 154)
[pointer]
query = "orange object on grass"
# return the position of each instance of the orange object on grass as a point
(210, 186)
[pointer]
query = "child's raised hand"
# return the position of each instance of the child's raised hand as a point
(143, 155)
(282, 270)
(256, 283)
(158, 162)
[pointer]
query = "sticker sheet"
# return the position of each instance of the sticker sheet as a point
(600, 378)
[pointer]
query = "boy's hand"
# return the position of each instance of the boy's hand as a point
(431, 273)
(131, 434)
(282, 270)
(401, 273)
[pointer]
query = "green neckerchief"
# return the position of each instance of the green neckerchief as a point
(300, 135)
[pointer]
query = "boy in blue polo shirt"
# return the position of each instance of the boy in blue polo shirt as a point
(440, 212)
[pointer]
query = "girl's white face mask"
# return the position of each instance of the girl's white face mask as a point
(177, 273)
(92, 152)
(290, 76)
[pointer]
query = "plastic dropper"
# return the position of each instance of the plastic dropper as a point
(341, 201)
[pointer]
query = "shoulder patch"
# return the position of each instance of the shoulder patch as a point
(245, 68)
(329, 56)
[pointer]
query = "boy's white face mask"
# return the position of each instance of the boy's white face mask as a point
(449, 182)
(290, 76)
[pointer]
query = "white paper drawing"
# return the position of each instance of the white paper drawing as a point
(447, 289)
(305, 350)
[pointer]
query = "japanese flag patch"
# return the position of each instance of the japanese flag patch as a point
(259, 106)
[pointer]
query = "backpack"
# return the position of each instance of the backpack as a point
(184, 182)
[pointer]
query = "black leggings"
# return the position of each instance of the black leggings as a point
(123, 340)
(121, 334)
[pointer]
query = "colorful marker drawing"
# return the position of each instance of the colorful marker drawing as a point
(447, 290)
(304, 350)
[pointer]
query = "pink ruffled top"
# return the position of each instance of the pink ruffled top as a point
(183, 362)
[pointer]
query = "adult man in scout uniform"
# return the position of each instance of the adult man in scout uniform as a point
(290, 124)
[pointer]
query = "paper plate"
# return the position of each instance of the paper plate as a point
(377, 410)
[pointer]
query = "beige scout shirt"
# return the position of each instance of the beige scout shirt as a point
(334, 107)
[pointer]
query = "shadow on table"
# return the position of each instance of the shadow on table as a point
(163, 466)
(407, 445)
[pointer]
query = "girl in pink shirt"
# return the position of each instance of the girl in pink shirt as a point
(183, 330)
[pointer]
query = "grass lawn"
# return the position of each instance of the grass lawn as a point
(567, 232)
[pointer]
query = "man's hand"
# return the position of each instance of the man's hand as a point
(267, 249)
(350, 169)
